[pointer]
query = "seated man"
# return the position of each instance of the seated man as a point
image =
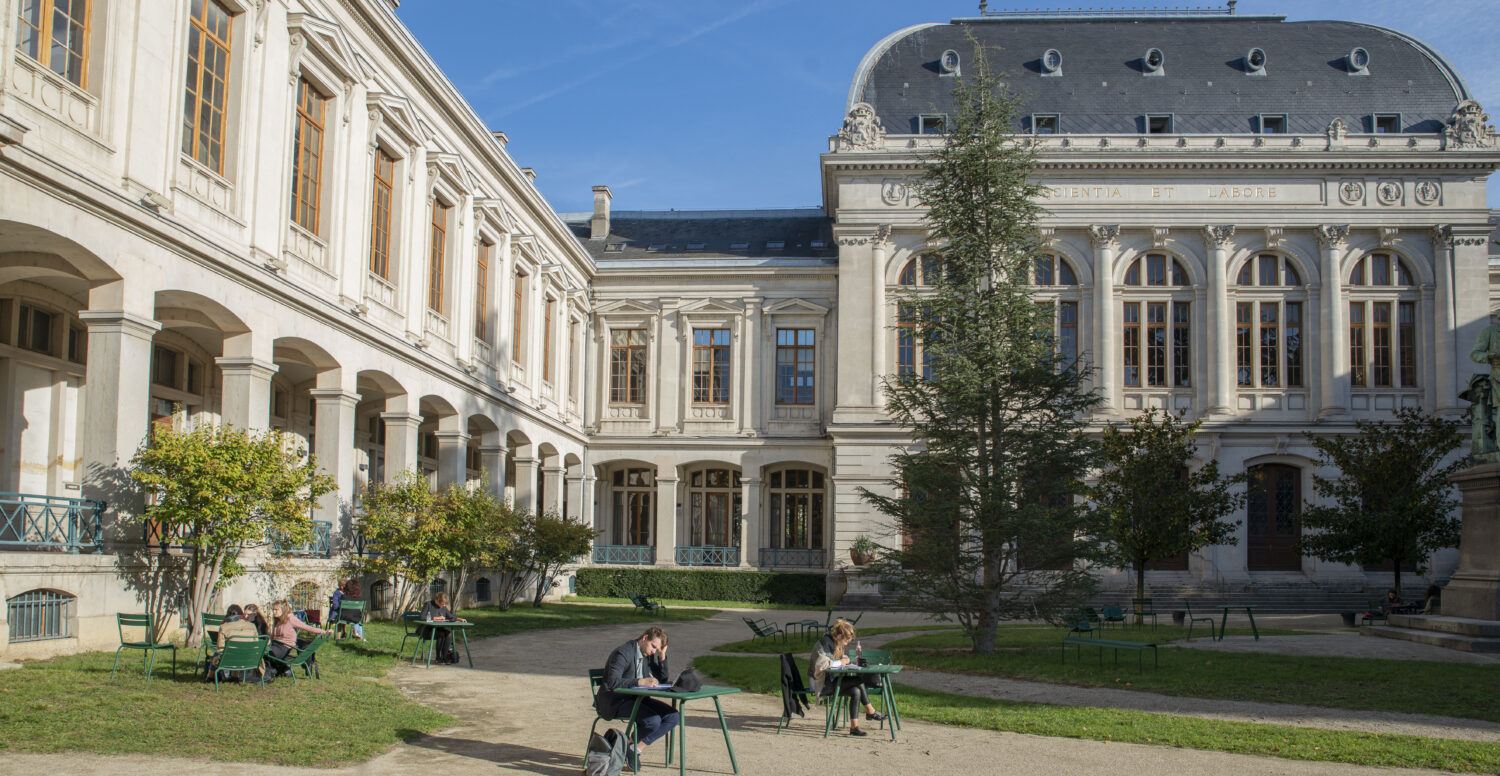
(640, 662)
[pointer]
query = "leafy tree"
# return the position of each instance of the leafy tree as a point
(1391, 500)
(217, 490)
(999, 447)
(1151, 505)
(546, 542)
(478, 528)
(405, 532)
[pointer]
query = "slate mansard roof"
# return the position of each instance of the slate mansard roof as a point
(721, 238)
(1204, 83)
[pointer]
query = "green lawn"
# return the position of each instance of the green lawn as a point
(674, 602)
(762, 675)
(796, 641)
(1468, 689)
(69, 704)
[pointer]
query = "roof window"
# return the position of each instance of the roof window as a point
(1159, 124)
(696, 246)
(932, 124)
(614, 247)
(1385, 123)
(738, 246)
(1045, 123)
(1273, 123)
(1153, 61)
(656, 247)
(1255, 62)
(1052, 62)
(817, 244)
(775, 244)
(948, 64)
(1359, 61)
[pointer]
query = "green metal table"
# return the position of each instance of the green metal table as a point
(1249, 612)
(839, 675)
(679, 701)
(452, 625)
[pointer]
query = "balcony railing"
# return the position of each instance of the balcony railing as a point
(625, 554)
(316, 547)
(708, 556)
(793, 556)
(34, 522)
(363, 547)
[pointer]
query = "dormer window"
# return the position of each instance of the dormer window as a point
(948, 64)
(615, 247)
(656, 247)
(1052, 62)
(1153, 61)
(1385, 123)
(739, 246)
(1273, 123)
(817, 244)
(1159, 124)
(696, 246)
(774, 244)
(1255, 62)
(932, 124)
(1359, 62)
(1044, 123)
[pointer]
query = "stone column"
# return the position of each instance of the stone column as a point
(1106, 342)
(878, 258)
(1221, 380)
(400, 442)
(750, 526)
(1446, 357)
(333, 432)
(666, 521)
(1333, 400)
(493, 458)
(117, 399)
(526, 483)
(453, 446)
(577, 508)
(552, 494)
(246, 399)
(747, 361)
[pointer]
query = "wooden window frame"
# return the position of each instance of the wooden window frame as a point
(195, 136)
(45, 39)
(623, 388)
(382, 206)
(573, 359)
(782, 494)
(307, 156)
(712, 366)
(437, 257)
(797, 355)
(1173, 331)
(1383, 353)
(518, 316)
(549, 308)
(482, 291)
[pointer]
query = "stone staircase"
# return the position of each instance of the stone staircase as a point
(1460, 633)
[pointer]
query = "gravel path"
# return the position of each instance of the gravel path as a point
(525, 709)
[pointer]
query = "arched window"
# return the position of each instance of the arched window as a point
(921, 271)
(796, 508)
(304, 597)
(38, 615)
(1156, 315)
(633, 494)
(1058, 289)
(482, 589)
(1053, 271)
(380, 596)
(714, 508)
(1268, 333)
(1274, 500)
(437, 586)
(1382, 323)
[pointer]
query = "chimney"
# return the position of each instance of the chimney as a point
(529, 173)
(599, 227)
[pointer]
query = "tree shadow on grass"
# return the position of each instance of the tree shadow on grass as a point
(510, 755)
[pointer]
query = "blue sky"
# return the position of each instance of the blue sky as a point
(704, 104)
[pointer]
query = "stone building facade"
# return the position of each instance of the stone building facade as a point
(283, 215)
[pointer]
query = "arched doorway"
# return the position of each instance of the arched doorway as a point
(1272, 518)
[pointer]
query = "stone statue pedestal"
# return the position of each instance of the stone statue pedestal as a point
(1474, 591)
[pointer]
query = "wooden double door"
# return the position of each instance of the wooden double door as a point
(1272, 521)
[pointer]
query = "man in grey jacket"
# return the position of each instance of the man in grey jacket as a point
(639, 662)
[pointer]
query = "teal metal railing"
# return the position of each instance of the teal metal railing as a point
(800, 557)
(316, 547)
(708, 556)
(29, 521)
(625, 554)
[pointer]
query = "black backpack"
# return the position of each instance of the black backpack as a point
(606, 755)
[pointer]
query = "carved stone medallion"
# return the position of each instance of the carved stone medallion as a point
(1352, 192)
(1388, 192)
(1427, 192)
(893, 191)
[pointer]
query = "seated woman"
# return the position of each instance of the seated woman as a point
(254, 617)
(1433, 601)
(829, 653)
(284, 627)
(354, 618)
(234, 625)
(1391, 603)
(437, 610)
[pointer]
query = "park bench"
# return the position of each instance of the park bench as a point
(763, 629)
(1079, 641)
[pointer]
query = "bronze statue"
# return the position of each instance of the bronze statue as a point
(1483, 393)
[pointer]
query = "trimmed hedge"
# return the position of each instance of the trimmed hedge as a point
(749, 586)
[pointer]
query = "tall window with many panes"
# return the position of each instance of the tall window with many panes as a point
(1156, 319)
(1383, 297)
(307, 156)
(711, 366)
(383, 182)
(482, 292)
(714, 507)
(633, 492)
(627, 366)
(1269, 324)
(1057, 289)
(56, 34)
(796, 366)
(920, 271)
(437, 257)
(796, 508)
(207, 97)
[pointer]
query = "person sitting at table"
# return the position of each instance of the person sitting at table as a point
(234, 625)
(437, 610)
(1432, 603)
(354, 619)
(254, 617)
(829, 653)
(284, 627)
(640, 662)
(1391, 602)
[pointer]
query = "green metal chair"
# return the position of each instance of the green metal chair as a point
(880, 657)
(209, 628)
(242, 653)
(596, 675)
(303, 659)
(1115, 614)
(1376, 613)
(341, 626)
(1141, 608)
(1191, 619)
(410, 620)
(1079, 622)
(123, 621)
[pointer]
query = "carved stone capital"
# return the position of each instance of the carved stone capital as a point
(1274, 237)
(1333, 235)
(1388, 236)
(1046, 237)
(1105, 236)
(1442, 236)
(1159, 236)
(883, 235)
(1220, 237)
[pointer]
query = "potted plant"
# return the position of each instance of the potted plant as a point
(862, 550)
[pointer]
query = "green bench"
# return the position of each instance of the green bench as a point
(1079, 641)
